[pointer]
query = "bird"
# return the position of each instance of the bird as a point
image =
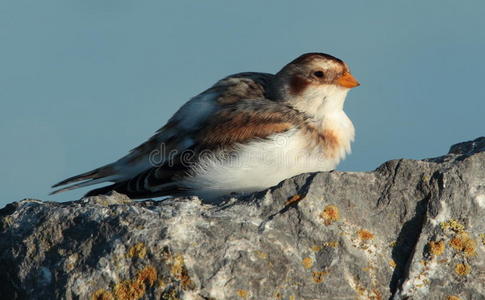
(246, 133)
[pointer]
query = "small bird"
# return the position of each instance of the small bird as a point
(246, 133)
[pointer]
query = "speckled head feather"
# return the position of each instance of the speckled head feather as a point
(315, 70)
(315, 55)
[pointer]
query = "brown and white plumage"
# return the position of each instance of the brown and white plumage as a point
(247, 132)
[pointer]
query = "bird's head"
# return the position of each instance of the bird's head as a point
(314, 83)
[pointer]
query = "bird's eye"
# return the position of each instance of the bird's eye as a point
(318, 74)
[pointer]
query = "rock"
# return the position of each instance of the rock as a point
(408, 230)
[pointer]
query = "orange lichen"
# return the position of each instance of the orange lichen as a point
(294, 199)
(147, 274)
(330, 214)
(377, 295)
(307, 262)
(318, 276)
(135, 289)
(138, 250)
(102, 295)
(129, 290)
(463, 269)
(365, 235)
(463, 243)
(453, 298)
(242, 293)
(437, 247)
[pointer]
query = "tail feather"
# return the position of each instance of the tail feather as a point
(88, 178)
(147, 184)
(80, 177)
(79, 185)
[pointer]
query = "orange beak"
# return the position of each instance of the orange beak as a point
(348, 81)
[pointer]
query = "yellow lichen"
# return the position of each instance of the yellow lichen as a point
(70, 262)
(463, 243)
(138, 250)
(318, 276)
(463, 269)
(368, 269)
(102, 295)
(315, 248)
(261, 254)
(372, 294)
(392, 263)
(453, 298)
(242, 293)
(162, 284)
(180, 272)
(330, 214)
(177, 266)
(437, 247)
(8, 221)
(365, 235)
(393, 244)
(482, 237)
(307, 262)
(453, 225)
(331, 244)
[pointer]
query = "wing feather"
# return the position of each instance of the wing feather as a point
(234, 111)
(235, 124)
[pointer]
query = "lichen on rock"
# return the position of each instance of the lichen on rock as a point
(411, 229)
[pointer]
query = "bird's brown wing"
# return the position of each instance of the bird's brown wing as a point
(179, 133)
(236, 123)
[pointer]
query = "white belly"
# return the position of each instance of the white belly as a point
(259, 165)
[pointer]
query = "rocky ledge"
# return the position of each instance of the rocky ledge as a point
(411, 229)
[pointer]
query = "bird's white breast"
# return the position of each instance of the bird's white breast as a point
(264, 163)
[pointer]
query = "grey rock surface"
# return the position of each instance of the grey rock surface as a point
(411, 229)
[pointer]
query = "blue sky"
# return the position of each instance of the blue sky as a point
(83, 82)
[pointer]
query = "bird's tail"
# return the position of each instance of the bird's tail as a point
(99, 175)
